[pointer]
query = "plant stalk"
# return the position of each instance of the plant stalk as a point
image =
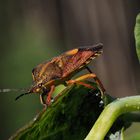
(111, 112)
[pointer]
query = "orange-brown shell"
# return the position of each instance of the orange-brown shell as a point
(65, 65)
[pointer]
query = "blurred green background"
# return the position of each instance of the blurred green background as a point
(34, 31)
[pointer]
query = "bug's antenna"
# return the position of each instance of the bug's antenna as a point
(22, 95)
(12, 90)
(16, 90)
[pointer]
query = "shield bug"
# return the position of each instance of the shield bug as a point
(60, 70)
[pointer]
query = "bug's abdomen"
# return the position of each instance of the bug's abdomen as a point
(77, 61)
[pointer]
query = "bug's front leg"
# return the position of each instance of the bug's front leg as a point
(47, 93)
(42, 101)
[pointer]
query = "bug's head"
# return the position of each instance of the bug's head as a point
(37, 88)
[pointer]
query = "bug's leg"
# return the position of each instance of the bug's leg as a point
(88, 69)
(42, 101)
(87, 76)
(85, 84)
(49, 96)
(97, 80)
(80, 83)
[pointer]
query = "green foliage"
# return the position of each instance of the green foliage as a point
(137, 35)
(74, 113)
(70, 117)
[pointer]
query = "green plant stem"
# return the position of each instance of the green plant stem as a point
(111, 112)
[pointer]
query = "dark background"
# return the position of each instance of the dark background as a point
(34, 31)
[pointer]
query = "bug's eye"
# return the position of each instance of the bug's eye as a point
(40, 85)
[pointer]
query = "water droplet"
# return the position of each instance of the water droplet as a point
(97, 94)
(101, 103)
(35, 118)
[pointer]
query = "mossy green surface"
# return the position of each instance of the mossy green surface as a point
(69, 118)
